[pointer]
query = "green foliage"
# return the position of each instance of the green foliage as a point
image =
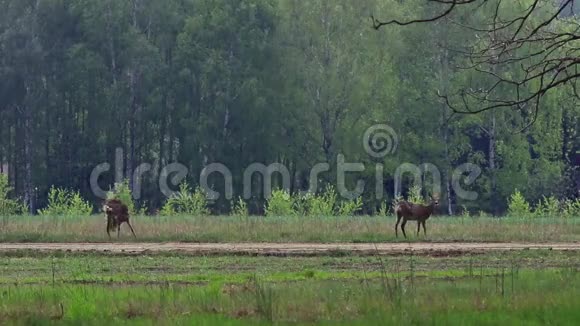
(122, 192)
(396, 200)
(339, 79)
(384, 210)
(518, 206)
(63, 202)
(302, 203)
(415, 195)
(483, 214)
(240, 208)
(465, 212)
(186, 202)
(280, 203)
(547, 207)
(323, 204)
(571, 208)
(9, 206)
(350, 207)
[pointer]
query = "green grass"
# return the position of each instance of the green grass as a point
(23, 268)
(288, 229)
(520, 287)
(531, 287)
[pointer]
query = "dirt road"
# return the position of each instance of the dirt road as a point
(287, 248)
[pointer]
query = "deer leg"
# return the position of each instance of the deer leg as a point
(424, 229)
(109, 227)
(418, 227)
(129, 224)
(403, 227)
(397, 225)
(118, 230)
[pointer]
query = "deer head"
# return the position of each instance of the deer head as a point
(435, 199)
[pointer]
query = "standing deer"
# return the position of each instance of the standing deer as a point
(117, 214)
(414, 212)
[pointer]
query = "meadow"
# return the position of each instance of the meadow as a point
(177, 288)
(532, 287)
(287, 229)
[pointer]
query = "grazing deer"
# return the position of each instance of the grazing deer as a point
(414, 212)
(117, 214)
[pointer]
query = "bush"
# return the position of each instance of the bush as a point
(547, 207)
(240, 208)
(9, 206)
(484, 214)
(280, 204)
(384, 210)
(302, 203)
(396, 201)
(323, 204)
(415, 196)
(518, 206)
(465, 212)
(349, 207)
(63, 202)
(122, 192)
(570, 208)
(186, 202)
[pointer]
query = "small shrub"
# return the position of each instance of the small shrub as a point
(518, 206)
(483, 214)
(415, 195)
(280, 204)
(122, 192)
(570, 208)
(547, 207)
(384, 210)
(302, 203)
(186, 202)
(465, 212)
(396, 200)
(240, 208)
(9, 206)
(63, 202)
(323, 204)
(350, 207)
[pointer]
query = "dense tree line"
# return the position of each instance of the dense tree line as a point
(245, 81)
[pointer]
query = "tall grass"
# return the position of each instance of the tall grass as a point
(536, 296)
(287, 229)
(518, 287)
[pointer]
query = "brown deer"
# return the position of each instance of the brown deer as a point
(117, 214)
(414, 212)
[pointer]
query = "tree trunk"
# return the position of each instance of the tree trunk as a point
(492, 167)
(29, 194)
(444, 71)
(492, 154)
(133, 107)
(447, 173)
(111, 44)
(131, 130)
(47, 147)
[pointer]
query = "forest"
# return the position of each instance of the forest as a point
(239, 82)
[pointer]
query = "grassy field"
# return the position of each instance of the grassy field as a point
(530, 287)
(288, 229)
(175, 288)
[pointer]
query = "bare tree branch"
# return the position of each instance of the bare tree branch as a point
(537, 45)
